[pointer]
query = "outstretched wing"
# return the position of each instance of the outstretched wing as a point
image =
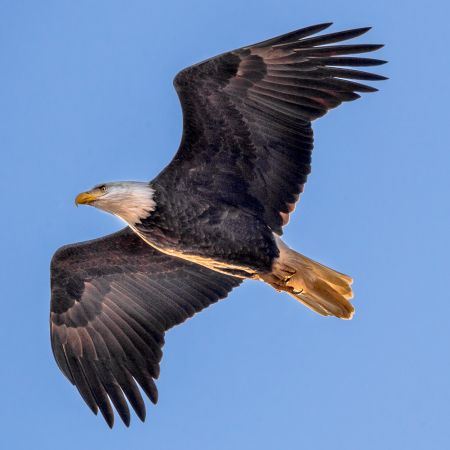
(247, 136)
(112, 300)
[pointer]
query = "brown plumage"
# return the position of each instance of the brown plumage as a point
(211, 218)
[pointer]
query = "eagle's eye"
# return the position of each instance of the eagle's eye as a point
(102, 189)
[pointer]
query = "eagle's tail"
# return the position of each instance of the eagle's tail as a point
(318, 287)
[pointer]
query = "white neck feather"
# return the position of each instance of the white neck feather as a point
(131, 201)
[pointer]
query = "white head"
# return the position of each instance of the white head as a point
(132, 201)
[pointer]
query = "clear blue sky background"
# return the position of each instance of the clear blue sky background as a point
(86, 96)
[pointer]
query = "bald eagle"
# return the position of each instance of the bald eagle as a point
(211, 219)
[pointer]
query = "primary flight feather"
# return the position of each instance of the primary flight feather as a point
(212, 218)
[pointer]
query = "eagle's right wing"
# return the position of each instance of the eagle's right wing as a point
(112, 300)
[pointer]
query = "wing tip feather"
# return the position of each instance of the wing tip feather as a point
(291, 36)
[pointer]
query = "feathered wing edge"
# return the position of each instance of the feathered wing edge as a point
(112, 301)
(260, 100)
(309, 73)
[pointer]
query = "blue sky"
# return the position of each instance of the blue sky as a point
(86, 96)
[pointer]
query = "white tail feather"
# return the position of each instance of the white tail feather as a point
(318, 287)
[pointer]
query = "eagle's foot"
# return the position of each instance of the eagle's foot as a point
(285, 274)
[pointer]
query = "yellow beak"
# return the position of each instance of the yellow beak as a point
(85, 198)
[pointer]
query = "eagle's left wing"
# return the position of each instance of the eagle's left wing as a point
(112, 300)
(247, 137)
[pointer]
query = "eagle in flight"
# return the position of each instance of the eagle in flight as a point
(211, 219)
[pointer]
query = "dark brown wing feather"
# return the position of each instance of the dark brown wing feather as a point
(247, 136)
(112, 300)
